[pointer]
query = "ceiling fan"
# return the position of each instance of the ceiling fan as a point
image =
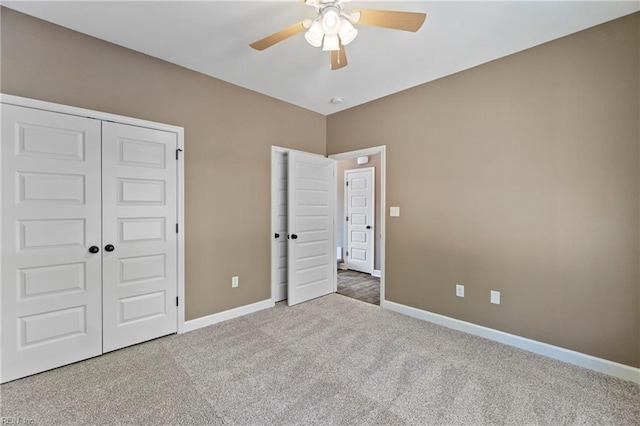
(333, 27)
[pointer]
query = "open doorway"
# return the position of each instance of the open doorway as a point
(359, 227)
(289, 234)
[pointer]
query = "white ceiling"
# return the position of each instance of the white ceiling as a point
(213, 37)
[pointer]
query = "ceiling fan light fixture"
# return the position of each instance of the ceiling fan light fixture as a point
(331, 42)
(331, 20)
(347, 32)
(314, 34)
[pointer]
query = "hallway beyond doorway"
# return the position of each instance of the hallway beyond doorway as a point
(360, 286)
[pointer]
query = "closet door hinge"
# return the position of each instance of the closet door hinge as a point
(178, 151)
(347, 254)
(347, 183)
(176, 228)
(177, 299)
(347, 218)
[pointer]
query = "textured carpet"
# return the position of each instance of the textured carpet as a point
(333, 360)
(359, 286)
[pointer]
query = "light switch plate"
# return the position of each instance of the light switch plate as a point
(394, 211)
(495, 297)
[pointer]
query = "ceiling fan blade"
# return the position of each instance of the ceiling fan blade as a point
(338, 58)
(278, 37)
(406, 21)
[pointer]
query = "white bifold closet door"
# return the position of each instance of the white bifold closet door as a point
(311, 211)
(51, 216)
(88, 233)
(139, 234)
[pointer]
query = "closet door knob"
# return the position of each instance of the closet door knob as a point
(277, 235)
(294, 237)
(94, 249)
(368, 226)
(109, 247)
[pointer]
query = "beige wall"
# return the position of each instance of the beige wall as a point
(228, 134)
(521, 176)
(341, 236)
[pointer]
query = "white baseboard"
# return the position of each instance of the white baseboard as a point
(611, 368)
(343, 266)
(227, 315)
(376, 273)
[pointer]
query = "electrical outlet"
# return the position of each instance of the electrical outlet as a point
(234, 282)
(495, 297)
(459, 290)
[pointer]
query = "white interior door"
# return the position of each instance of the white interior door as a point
(360, 219)
(51, 281)
(311, 193)
(139, 234)
(279, 164)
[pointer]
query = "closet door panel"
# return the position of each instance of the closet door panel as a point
(51, 216)
(139, 206)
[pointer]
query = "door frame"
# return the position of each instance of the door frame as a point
(179, 131)
(373, 215)
(382, 150)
